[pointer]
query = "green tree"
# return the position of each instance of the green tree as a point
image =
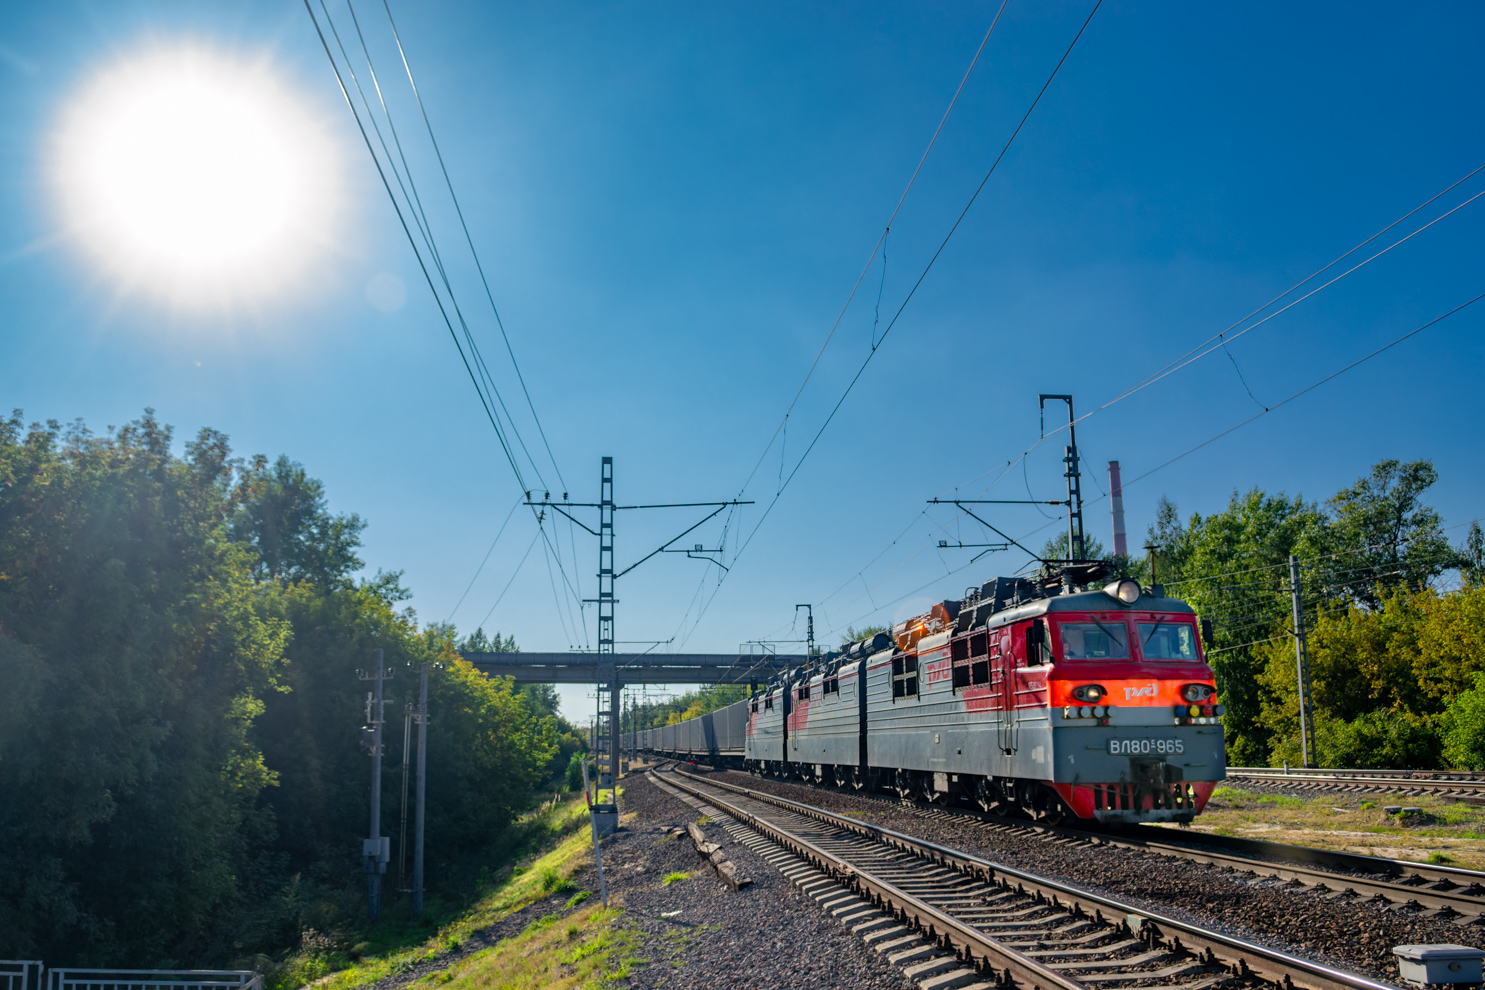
(1232, 567)
(854, 635)
(282, 515)
(1386, 535)
(1056, 548)
(136, 654)
(1472, 570)
(180, 781)
(478, 642)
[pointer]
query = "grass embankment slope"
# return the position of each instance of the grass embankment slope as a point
(578, 943)
(1445, 832)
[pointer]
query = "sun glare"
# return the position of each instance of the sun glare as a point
(196, 178)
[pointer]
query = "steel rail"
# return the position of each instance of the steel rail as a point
(1460, 902)
(1238, 956)
(1460, 777)
(1237, 852)
(973, 947)
(1459, 785)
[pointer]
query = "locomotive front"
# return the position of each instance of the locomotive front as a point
(1133, 715)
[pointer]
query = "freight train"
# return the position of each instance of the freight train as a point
(1053, 697)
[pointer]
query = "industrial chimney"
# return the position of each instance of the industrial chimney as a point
(1116, 501)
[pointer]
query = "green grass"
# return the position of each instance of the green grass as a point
(394, 950)
(1355, 823)
(553, 882)
(1439, 857)
(671, 878)
(593, 948)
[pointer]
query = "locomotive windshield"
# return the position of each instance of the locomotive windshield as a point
(1167, 641)
(1095, 640)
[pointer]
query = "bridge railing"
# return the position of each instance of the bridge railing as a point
(21, 974)
(153, 979)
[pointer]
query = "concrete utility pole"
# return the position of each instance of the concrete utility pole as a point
(406, 779)
(376, 850)
(1302, 668)
(420, 715)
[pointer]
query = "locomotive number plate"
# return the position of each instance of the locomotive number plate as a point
(1146, 747)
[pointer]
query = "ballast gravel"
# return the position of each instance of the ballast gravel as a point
(1355, 937)
(699, 933)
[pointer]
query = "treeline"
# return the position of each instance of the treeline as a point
(180, 776)
(1394, 614)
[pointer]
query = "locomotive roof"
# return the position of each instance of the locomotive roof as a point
(1090, 600)
(1096, 600)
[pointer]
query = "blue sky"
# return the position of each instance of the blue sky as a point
(673, 202)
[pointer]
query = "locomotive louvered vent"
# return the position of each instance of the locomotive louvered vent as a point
(971, 660)
(904, 676)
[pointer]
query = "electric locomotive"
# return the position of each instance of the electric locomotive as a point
(1056, 697)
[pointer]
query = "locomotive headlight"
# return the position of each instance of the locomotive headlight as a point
(1089, 692)
(1127, 590)
(1197, 692)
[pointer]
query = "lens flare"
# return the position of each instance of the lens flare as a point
(196, 178)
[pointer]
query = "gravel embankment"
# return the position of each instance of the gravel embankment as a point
(1354, 937)
(768, 935)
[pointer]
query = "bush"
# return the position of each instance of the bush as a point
(1381, 740)
(1463, 725)
(575, 771)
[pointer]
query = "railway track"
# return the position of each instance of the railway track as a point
(1441, 892)
(1447, 893)
(954, 920)
(1456, 785)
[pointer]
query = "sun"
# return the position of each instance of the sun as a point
(197, 178)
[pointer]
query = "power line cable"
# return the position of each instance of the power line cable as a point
(514, 574)
(877, 247)
(924, 274)
(911, 293)
(486, 560)
(1308, 388)
(479, 371)
(1245, 422)
(470, 240)
(1202, 349)
(415, 204)
(422, 265)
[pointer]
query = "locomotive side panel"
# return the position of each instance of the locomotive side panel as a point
(827, 732)
(766, 745)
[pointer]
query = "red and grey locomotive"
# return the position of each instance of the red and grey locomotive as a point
(1049, 696)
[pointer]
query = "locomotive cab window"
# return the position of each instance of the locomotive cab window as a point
(1096, 640)
(904, 677)
(1161, 640)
